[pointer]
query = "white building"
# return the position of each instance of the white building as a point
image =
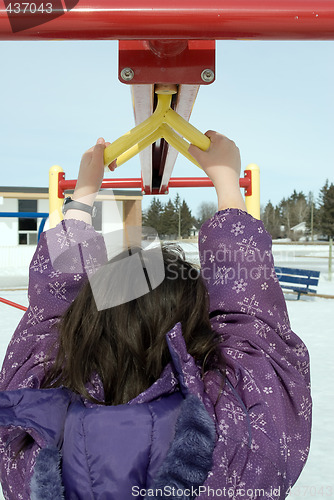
(299, 228)
(116, 210)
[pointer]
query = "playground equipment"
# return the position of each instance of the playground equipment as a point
(29, 215)
(166, 124)
(171, 44)
(57, 185)
(173, 20)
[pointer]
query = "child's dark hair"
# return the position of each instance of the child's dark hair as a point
(126, 344)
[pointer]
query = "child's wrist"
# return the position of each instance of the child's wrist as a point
(78, 215)
(227, 185)
(230, 198)
(85, 195)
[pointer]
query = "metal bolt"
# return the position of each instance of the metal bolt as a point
(127, 74)
(207, 75)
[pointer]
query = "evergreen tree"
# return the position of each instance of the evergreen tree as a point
(152, 216)
(326, 209)
(169, 220)
(187, 220)
(285, 215)
(177, 202)
(272, 220)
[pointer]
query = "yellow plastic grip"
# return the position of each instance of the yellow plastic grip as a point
(160, 124)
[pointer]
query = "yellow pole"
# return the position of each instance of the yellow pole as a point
(55, 203)
(253, 201)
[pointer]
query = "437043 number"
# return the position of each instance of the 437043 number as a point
(311, 491)
(29, 7)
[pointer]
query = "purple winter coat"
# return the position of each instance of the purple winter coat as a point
(262, 419)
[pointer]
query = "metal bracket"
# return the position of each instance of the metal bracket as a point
(167, 61)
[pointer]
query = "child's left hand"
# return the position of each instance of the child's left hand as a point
(91, 173)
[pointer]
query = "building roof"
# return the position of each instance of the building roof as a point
(43, 192)
(19, 189)
(299, 227)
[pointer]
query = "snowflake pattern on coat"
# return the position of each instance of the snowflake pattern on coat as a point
(263, 411)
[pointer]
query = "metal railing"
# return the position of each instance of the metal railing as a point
(29, 215)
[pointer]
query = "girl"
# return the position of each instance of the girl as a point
(196, 389)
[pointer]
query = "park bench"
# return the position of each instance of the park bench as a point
(298, 280)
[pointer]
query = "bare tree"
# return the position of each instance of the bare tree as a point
(205, 211)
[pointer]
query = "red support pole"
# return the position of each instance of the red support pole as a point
(13, 304)
(175, 19)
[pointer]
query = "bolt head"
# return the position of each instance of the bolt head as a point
(127, 74)
(207, 75)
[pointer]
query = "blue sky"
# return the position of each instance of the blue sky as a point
(274, 99)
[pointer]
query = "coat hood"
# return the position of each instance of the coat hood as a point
(184, 466)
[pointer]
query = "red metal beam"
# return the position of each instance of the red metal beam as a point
(200, 182)
(106, 183)
(175, 19)
(13, 304)
(175, 182)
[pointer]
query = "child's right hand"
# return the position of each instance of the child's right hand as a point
(221, 162)
(222, 154)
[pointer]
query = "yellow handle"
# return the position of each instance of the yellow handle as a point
(158, 125)
(187, 130)
(178, 143)
(138, 133)
(137, 148)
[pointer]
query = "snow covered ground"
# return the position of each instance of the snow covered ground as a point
(312, 318)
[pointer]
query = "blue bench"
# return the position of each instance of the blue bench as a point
(298, 280)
